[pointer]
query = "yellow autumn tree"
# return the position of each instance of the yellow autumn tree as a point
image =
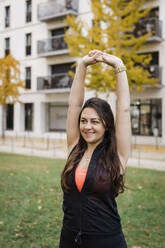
(112, 29)
(10, 82)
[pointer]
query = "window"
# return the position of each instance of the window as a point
(154, 13)
(28, 44)
(7, 16)
(56, 117)
(57, 40)
(28, 116)
(148, 24)
(153, 67)
(58, 31)
(28, 78)
(62, 68)
(28, 11)
(60, 75)
(68, 4)
(146, 117)
(7, 46)
(9, 117)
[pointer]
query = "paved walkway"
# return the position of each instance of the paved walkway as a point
(141, 157)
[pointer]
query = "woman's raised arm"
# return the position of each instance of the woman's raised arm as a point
(123, 123)
(76, 98)
(75, 103)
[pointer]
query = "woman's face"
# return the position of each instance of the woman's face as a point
(91, 126)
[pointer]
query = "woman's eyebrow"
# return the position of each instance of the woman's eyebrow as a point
(94, 118)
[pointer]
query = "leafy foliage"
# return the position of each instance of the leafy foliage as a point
(113, 23)
(10, 80)
(10, 83)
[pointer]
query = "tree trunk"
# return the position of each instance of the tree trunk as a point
(3, 121)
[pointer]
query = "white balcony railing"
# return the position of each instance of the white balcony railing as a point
(156, 72)
(56, 81)
(51, 10)
(149, 25)
(52, 46)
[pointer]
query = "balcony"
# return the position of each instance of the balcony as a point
(52, 10)
(148, 25)
(156, 72)
(52, 46)
(56, 81)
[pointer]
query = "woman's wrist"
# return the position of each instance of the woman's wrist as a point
(118, 64)
(81, 63)
(119, 67)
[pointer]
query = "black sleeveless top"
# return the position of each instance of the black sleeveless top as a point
(91, 211)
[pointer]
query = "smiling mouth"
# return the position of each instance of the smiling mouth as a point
(88, 133)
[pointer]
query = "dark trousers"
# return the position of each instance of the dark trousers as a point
(71, 239)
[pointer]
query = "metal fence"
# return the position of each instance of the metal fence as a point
(27, 144)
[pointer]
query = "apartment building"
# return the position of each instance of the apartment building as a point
(33, 32)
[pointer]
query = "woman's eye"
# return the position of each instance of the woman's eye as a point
(95, 122)
(82, 121)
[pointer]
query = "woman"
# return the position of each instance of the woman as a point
(99, 150)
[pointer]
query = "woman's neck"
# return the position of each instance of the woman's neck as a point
(92, 146)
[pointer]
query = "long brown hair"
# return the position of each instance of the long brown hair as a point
(108, 157)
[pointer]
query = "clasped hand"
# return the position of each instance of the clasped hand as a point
(95, 56)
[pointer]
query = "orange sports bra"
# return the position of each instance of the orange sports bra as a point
(80, 175)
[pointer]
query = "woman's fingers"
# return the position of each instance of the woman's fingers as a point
(93, 52)
(92, 57)
(95, 56)
(112, 60)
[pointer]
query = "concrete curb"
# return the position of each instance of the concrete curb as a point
(61, 153)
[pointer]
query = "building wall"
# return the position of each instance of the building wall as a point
(41, 67)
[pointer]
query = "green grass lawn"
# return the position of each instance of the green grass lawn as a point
(31, 199)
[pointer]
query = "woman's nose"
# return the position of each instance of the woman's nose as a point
(88, 125)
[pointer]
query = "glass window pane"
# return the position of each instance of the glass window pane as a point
(28, 11)
(57, 117)
(7, 43)
(146, 117)
(9, 116)
(28, 39)
(145, 120)
(7, 16)
(28, 78)
(28, 116)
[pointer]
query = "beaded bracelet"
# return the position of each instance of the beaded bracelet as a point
(120, 69)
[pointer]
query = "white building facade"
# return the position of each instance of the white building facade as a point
(33, 32)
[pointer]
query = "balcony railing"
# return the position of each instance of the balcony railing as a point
(52, 10)
(149, 25)
(56, 81)
(156, 72)
(52, 46)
